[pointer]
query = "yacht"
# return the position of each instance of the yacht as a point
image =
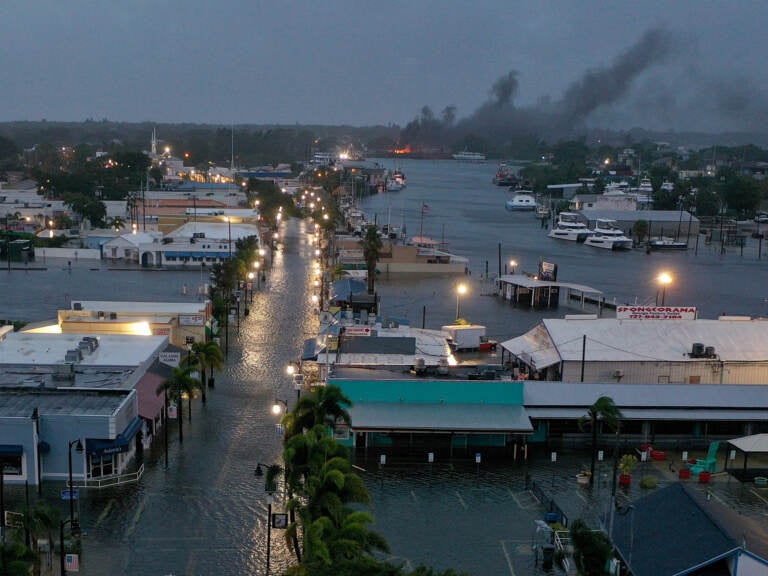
(467, 156)
(569, 226)
(606, 234)
(521, 202)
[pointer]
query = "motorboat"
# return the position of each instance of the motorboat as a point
(606, 234)
(467, 156)
(666, 243)
(394, 185)
(504, 176)
(570, 226)
(521, 202)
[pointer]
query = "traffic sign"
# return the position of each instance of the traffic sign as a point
(65, 494)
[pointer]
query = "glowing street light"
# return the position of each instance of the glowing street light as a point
(664, 279)
(460, 290)
(513, 265)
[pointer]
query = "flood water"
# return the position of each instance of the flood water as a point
(467, 212)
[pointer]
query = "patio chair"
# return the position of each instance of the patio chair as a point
(709, 462)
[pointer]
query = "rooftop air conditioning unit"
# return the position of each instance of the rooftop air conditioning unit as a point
(113, 315)
(77, 305)
(100, 314)
(709, 352)
(697, 350)
(74, 355)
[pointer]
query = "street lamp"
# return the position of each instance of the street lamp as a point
(229, 234)
(460, 289)
(270, 487)
(79, 449)
(664, 279)
(513, 265)
(74, 530)
(250, 281)
(257, 265)
(278, 405)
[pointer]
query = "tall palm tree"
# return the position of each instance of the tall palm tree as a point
(205, 355)
(326, 405)
(603, 410)
(371, 244)
(181, 382)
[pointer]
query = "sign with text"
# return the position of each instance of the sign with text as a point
(170, 358)
(192, 320)
(357, 331)
(656, 312)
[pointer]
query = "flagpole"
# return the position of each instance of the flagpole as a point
(421, 224)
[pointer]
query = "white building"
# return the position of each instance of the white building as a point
(730, 350)
(196, 244)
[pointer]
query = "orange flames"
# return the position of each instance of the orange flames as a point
(406, 150)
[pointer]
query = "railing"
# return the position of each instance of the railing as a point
(109, 481)
(563, 543)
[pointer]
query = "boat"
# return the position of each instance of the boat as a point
(504, 176)
(521, 202)
(606, 234)
(467, 156)
(569, 226)
(394, 185)
(666, 243)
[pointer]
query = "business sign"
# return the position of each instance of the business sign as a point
(357, 331)
(161, 331)
(280, 521)
(170, 358)
(65, 494)
(656, 312)
(191, 320)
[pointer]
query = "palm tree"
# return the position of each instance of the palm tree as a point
(604, 409)
(181, 382)
(206, 355)
(371, 244)
(326, 405)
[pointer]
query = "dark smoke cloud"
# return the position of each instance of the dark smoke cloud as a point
(596, 88)
(505, 89)
(605, 86)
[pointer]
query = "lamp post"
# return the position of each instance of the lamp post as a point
(270, 487)
(664, 280)
(279, 405)
(513, 265)
(257, 265)
(229, 235)
(294, 371)
(79, 449)
(460, 289)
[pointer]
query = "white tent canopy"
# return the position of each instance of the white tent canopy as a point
(751, 444)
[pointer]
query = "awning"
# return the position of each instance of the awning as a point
(534, 348)
(119, 444)
(423, 417)
(7, 450)
(150, 402)
(754, 443)
(310, 349)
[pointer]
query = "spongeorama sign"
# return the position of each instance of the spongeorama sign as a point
(656, 312)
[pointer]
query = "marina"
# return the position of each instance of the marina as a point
(462, 210)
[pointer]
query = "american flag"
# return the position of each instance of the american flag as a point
(425, 207)
(72, 563)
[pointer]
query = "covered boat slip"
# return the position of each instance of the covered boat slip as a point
(522, 290)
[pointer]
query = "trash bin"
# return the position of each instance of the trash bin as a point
(704, 477)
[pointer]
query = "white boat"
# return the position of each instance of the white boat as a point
(467, 156)
(666, 243)
(521, 202)
(569, 226)
(394, 185)
(606, 234)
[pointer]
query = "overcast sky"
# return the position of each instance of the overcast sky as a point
(374, 62)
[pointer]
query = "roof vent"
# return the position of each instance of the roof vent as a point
(697, 350)
(73, 355)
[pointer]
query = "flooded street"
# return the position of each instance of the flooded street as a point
(206, 513)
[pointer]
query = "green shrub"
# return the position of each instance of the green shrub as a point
(649, 482)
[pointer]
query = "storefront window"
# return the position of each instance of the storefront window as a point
(102, 465)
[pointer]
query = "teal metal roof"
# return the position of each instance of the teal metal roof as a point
(427, 417)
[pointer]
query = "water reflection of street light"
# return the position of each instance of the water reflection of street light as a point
(664, 280)
(460, 290)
